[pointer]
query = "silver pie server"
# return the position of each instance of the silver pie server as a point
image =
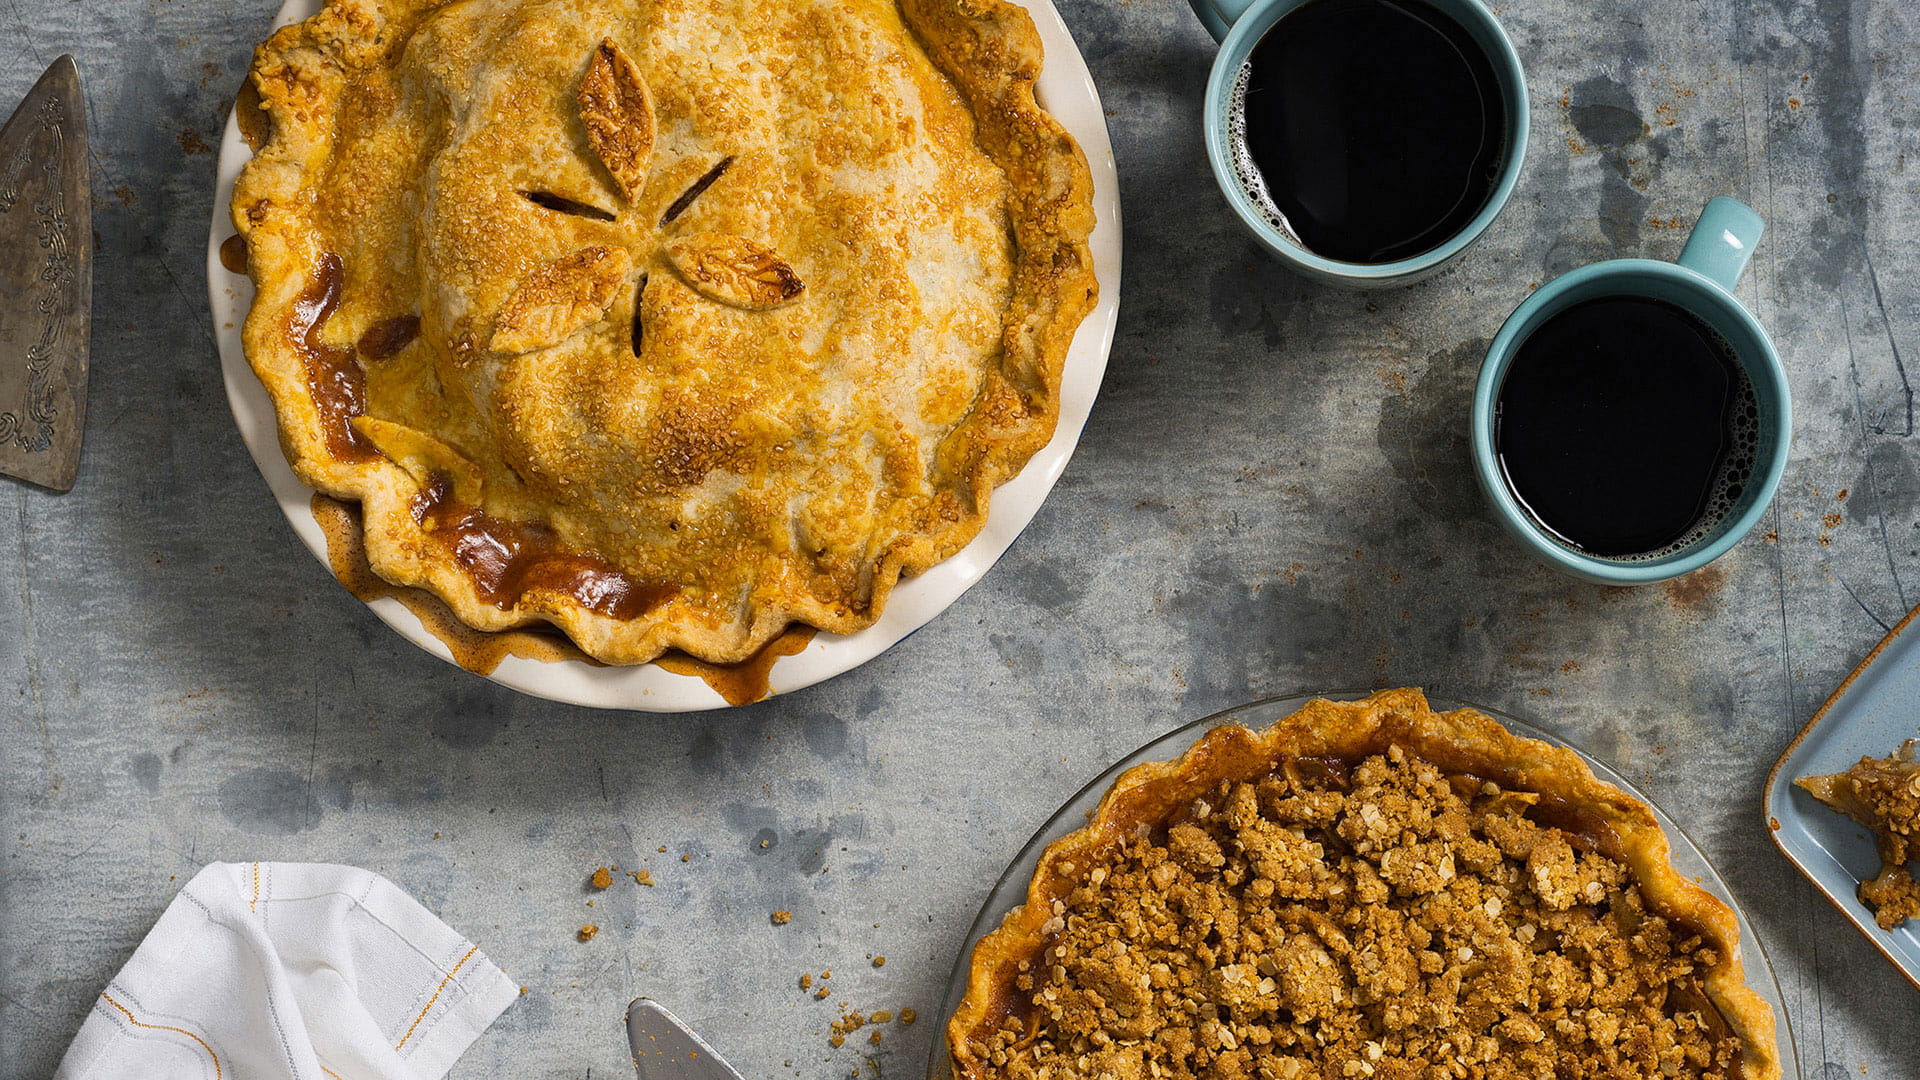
(46, 280)
(666, 1049)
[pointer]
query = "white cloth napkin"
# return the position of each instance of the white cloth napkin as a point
(291, 971)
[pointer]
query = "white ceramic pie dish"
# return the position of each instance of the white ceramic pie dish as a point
(1066, 89)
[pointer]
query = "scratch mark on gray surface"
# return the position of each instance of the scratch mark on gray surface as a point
(1877, 620)
(31, 637)
(1899, 365)
(1780, 597)
(18, 1004)
(313, 752)
(26, 35)
(1819, 994)
(1866, 454)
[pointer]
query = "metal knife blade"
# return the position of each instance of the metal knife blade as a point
(664, 1048)
(46, 280)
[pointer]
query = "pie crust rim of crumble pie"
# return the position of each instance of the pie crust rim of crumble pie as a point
(1065, 90)
(1160, 757)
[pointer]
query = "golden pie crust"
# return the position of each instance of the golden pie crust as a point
(1364, 889)
(666, 322)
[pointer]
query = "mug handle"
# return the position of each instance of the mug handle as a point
(1218, 16)
(1721, 241)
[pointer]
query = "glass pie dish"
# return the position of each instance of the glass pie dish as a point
(1010, 890)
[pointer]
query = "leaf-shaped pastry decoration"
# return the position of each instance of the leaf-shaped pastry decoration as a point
(559, 298)
(424, 457)
(735, 270)
(617, 109)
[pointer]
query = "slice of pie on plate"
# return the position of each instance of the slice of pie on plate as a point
(668, 323)
(1364, 889)
(1884, 795)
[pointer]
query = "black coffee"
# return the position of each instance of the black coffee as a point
(1626, 427)
(1369, 130)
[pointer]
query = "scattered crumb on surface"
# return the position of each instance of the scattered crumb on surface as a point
(880, 1017)
(686, 858)
(874, 1038)
(879, 961)
(601, 878)
(806, 981)
(782, 917)
(587, 932)
(641, 877)
(820, 993)
(908, 1016)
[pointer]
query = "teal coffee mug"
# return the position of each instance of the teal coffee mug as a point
(1700, 285)
(1240, 25)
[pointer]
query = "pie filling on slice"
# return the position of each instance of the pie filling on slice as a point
(1366, 889)
(1884, 795)
(669, 323)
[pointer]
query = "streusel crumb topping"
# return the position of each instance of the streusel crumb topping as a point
(1382, 920)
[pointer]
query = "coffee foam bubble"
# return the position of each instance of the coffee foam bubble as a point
(1252, 183)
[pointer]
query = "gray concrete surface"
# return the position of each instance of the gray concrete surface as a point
(1271, 497)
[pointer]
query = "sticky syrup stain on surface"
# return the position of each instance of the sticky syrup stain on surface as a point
(749, 680)
(233, 254)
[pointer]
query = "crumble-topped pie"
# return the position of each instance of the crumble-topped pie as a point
(1365, 889)
(1884, 795)
(668, 322)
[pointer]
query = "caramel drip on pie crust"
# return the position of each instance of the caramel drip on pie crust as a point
(478, 651)
(388, 336)
(481, 651)
(509, 559)
(335, 379)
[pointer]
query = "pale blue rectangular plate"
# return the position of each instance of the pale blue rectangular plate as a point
(1875, 710)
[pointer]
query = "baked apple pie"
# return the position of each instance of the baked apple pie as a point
(667, 322)
(1365, 889)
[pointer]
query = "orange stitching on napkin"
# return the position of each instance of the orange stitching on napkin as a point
(434, 998)
(163, 1027)
(255, 899)
(330, 1072)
